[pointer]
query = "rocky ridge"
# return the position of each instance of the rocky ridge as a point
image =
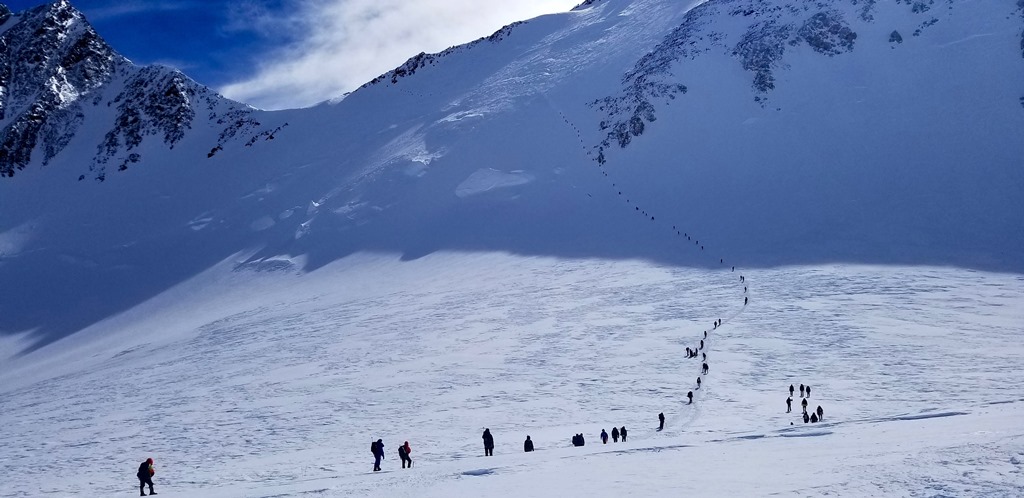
(828, 28)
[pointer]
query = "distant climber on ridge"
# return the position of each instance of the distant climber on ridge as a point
(661, 421)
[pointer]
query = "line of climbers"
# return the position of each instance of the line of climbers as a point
(377, 447)
(818, 415)
(690, 352)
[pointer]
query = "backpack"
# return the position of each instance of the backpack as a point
(373, 448)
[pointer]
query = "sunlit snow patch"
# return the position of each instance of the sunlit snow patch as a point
(459, 116)
(200, 222)
(487, 179)
(262, 224)
(14, 240)
(270, 265)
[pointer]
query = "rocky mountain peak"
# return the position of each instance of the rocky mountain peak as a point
(55, 68)
(50, 58)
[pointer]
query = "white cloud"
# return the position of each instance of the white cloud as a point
(110, 10)
(342, 44)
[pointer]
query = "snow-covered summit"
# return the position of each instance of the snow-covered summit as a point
(58, 76)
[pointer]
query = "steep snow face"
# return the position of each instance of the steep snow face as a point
(841, 130)
(784, 132)
(57, 77)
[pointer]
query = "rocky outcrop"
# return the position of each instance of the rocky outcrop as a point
(767, 29)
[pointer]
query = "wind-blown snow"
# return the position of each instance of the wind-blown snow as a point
(486, 180)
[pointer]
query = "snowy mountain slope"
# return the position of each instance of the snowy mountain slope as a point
(849, 156)
(443, 251)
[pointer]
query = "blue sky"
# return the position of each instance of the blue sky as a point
(292, 53)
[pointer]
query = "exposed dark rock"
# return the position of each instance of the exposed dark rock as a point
(920, 7)
(760, 51)
(586, 3)
(927, 24)
(59, 130)
(826, 33)
(650, 80)
(867, 9)
(1020, 7)
(424, 59)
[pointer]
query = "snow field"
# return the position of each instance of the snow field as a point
(282, 392)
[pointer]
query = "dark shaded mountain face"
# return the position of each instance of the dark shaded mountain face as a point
(782, 132)
(58, 76)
